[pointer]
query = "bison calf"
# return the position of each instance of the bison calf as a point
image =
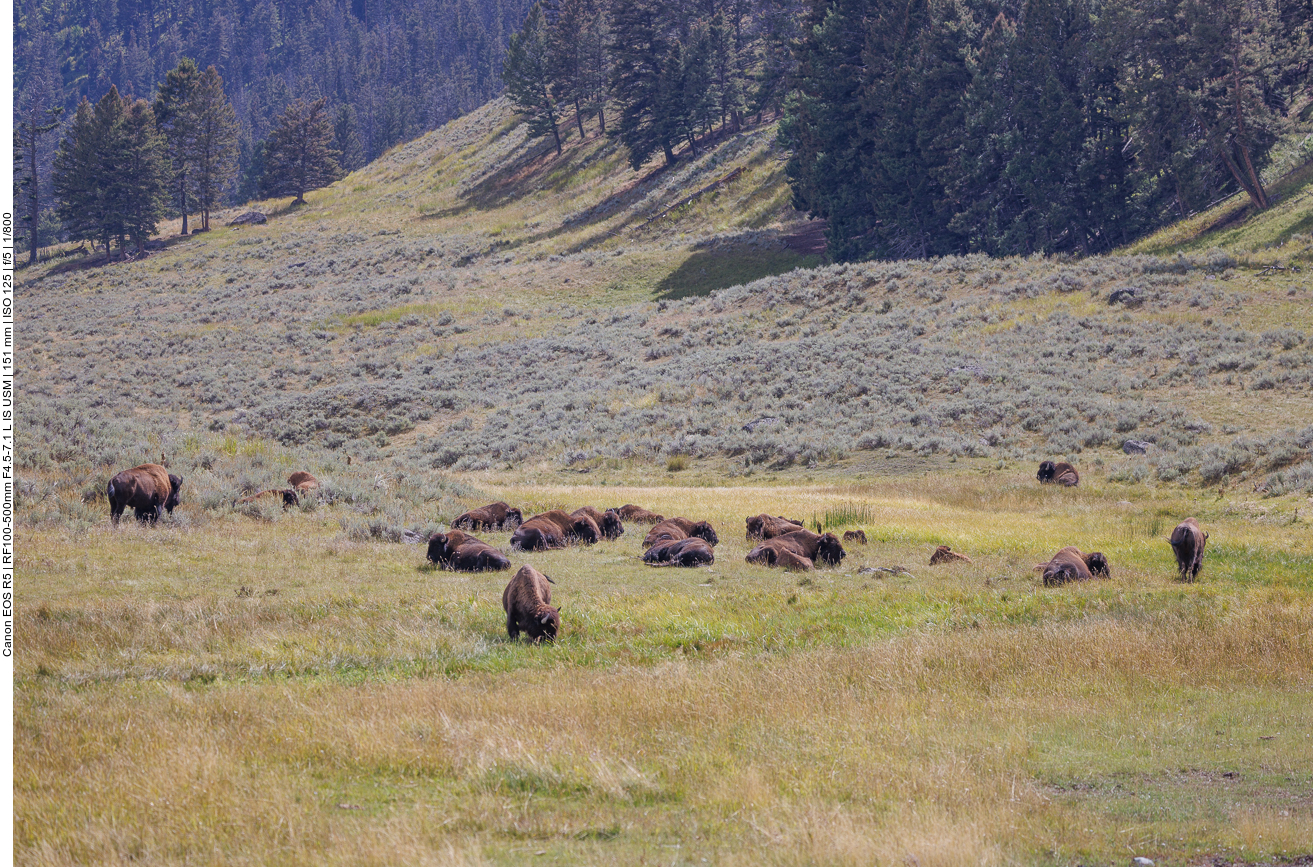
(1188, 544)
(944, 554)
(148, 489)
(461, 553)
(525, 601)
(302, 481)
(858, 536)
(1062, 473)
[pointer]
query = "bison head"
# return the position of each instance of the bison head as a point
(704, 530)
(585, 530)
(1046, 471)
(828, 550)
(1098, 565)
(514, 518)
(544, 624)
(610, 525)
(175, 485)
(439, 550)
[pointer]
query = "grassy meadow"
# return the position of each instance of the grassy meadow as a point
(472, 318)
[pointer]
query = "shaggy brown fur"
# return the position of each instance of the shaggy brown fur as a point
(630, 512)
(148, 489)
(1070, 564)
(815, 547)
(944, 554)
(303, 481)
(554, 529)
(858, 536)
(1188, 543)
(608, 522)
(461, 553)
(525, 601)
(494, 516)
(680, 552)
(680, 528)
(779, 552)
(288, 495)
(1063, 473)
(769, 526)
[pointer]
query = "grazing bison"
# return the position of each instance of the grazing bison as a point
(554, 529)
(1070, 564)
(494, 516)
(944, 554)
(608, 522)
(692, 551)
(630, 512)
(858, 536)
(461, 553)
(148, 489)
(288, 496)
(770, 526)
(525, 602)
(1188, 544)
(779, 552)
(1062, 473)
(302, 481)
(680, 528)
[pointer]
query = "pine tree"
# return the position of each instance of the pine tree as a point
(346, 138)
(139, 189)
(76, 176)
(645, 79)
(172, 112)
(213, 143)
(527, 72)
(27, 178)
(299, 154)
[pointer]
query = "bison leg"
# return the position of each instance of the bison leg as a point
(512, 628)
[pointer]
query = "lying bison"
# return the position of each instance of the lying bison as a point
(554, 529)
(148, 489)
(287, 495)
(461, 553)
(770, 526)
(1062, 473)
(1188, 544)
(494, 516)
(692, 551)
(858, 536)
(780, 553)
(525, 601)
(630, 512)
(680, 528)
(608, 522)
(1070, 564)
(944, 554)
(814, 547)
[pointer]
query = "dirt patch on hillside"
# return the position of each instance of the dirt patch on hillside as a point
(809, 239)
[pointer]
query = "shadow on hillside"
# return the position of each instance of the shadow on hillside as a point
(88, 261)
(708, 270)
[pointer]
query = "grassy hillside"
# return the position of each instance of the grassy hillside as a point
(474, 318)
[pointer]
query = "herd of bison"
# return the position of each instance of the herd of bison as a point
(782, 542)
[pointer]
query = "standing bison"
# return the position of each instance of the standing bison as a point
(1188, 544)
(1070, 564)
(1062, 473)
(525, 601)
(461, 553)
(148, 489)
(494, 516)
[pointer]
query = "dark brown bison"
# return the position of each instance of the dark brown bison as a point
(608, 522)
(858, 536)
(554, 529)
(461, 553)
(814, 547)
(770, 526)
(148, 489)
(1070, 564)
(692, 551)
(302, 481)
(525, 602)
(944, 554)
(680, 528)
(288, 496)
(630, 512)
(779, 552)
(1188, 544)
(494, 516)
(1062, 473)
